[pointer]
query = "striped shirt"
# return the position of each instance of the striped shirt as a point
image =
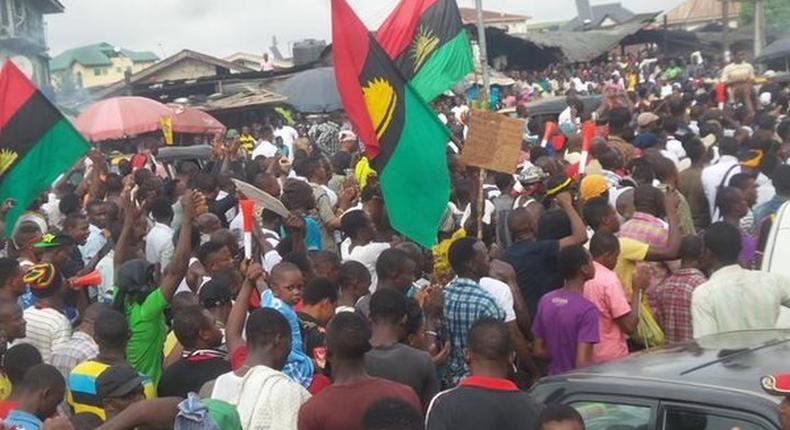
(83, 395)
(46, 329)
(79, 348)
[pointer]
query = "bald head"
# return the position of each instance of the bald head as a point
(208, 223)
(522, 223)
(281, 269)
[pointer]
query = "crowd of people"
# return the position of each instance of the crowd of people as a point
(332, 320)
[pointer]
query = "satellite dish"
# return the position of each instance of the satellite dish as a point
(24, 64)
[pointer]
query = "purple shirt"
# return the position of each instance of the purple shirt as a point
(748, 250)
(564, 319)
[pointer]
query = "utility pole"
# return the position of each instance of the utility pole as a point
(759, 27)
(484, 95)
(725, 30)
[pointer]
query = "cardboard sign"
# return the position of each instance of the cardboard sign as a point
(494, 142)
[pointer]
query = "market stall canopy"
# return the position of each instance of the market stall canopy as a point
(777, 50)
(312, 91)
(121, 117)
(192, 120)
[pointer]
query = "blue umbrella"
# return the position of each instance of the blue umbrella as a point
(312, 91)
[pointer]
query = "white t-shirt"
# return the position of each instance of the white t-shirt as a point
(367, 255)
(265, 148)
(502, 296)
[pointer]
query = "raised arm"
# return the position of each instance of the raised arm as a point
(235, 325)
(670, 251)
(180, 263)
(578, 229)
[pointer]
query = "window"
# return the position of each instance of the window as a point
(685, 419)
(118, 70)
(610, 415)
(97, 71)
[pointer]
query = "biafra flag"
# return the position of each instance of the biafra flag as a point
(37, 143)
(403, 137)
(428, 43)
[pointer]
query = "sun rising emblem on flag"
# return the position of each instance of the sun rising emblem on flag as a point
(7, 158)
(425, 42)
(381, 100)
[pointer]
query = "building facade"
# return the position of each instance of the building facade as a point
(97, 65)
(23, 36)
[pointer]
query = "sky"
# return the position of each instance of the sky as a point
(222, 27)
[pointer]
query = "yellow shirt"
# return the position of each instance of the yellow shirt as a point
(5, 386)
(631, 252)
(362, 171)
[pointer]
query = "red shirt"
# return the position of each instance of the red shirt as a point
(6, 406)
(329, 409)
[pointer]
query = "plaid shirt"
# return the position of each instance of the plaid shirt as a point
(654, 232)
(79, 348)
(326, 136)
(464, 303)
(671, 303)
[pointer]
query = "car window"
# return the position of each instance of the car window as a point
(680, 419)
(613, 416)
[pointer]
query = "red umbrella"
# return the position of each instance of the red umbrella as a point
(193, 120)
(120, 117)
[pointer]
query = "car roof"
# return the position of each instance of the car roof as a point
(175, 153)
(732, 361)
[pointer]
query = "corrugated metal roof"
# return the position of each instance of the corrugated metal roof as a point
(469, 16)
(613, 11)
(696, 11)
(259, 97)
(577, 46)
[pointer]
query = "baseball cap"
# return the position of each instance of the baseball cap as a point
(593, 186)
(118, 381)
(215, 293)
(646, 118)
(50, 240)
(531, 174)
(43, 280)
(231, 133)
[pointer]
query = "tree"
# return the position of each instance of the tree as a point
(777, 13)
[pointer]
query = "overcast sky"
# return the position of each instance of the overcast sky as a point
(222, 27)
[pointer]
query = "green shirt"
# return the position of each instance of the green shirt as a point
(147, 322)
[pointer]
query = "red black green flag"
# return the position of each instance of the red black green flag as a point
(37, 143)
(403, 137)
(428, 42)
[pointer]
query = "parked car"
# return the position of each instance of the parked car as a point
(710, 384)
(777, 253)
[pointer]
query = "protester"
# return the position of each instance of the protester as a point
(202, 361)
(466, 302)
(16, 362)
(37, 397)
(566, 324)
(47, 324)
(560, 417)
(354, 282)
(264, 396)
(81, 346)
(319, 303)
(618, 316)
(389, 357)
(111, 334)
(734, 298)
(671, 300)
(486, 398)
(347, 340)
(118, 387)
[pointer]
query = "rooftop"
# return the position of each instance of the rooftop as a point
(97, 55)
(469, 16)
(600, 12)
(697, 11)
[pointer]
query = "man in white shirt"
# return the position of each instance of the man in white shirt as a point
(265, 146)
(264, 396)
(159, 240)
(718, 175)
(97, 216)
(47, 326)
(735, 298)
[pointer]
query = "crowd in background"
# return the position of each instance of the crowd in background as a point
(335, 321)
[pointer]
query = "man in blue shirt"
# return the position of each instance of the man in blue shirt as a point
(37, 397)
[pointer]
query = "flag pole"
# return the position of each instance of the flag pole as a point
(484, 95)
